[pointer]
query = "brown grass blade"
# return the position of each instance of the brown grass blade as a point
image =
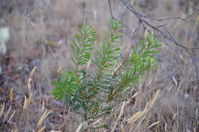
(11, 94)
(9, 120)
(30, 78)
(140, 114)
(6, 115)
(120, 115)
(2, 109)
(43, 117)
(79, 128)
(42, 129)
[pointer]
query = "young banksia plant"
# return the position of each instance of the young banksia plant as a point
(94, 94)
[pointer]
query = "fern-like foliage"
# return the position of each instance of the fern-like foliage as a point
(109, 52)
(142, 59)
(66, 86)
(95, 94)
(82, 45)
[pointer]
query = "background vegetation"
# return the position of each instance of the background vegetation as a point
(166, 99)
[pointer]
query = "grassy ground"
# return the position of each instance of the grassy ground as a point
(40, 35)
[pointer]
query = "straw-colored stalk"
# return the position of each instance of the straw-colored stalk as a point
(120, 115)
(140, 114)
(11, 94)
(28, 101)
(2, 109)
(79, 128)
(43, 117)
(42, 129)
(30, 79)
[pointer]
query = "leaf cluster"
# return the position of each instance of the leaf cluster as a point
(95, 94)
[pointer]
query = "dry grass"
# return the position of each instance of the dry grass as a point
(166, 100)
